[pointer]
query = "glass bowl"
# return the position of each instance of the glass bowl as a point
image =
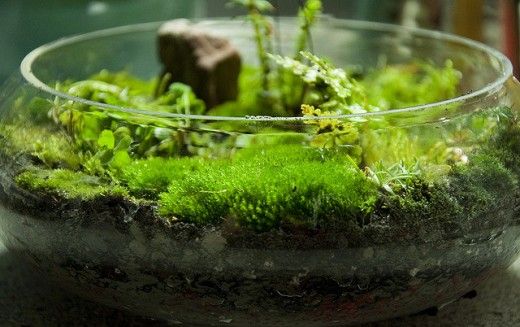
(313, 242)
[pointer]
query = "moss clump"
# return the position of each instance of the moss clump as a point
(68, 184)
(52, 148)
(149, 177)
(506, 145)
(465, 199)
(262, 189)
(484, 187)
(38, 109)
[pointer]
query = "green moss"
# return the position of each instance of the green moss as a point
(38, 109)
(505, 144)
(465, 199)
(261, 189)
(68, 184)
(152, 176)
(419, 207)
(484, 186)
(52, 148)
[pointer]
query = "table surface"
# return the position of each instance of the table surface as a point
(27, 300)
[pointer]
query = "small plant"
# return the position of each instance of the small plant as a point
(330, 88)
(394, 177)
(279, 89)
(263, 34)
(108, 140)
(332, 132)
(308, 15)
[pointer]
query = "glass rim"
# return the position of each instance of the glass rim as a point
(505, 65)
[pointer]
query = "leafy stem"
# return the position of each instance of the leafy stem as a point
(262, 33)
(332, 88)
(307, 15)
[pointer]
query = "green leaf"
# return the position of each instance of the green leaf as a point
(120, 160)
(90, 126)
(106, 139)
(124, 143)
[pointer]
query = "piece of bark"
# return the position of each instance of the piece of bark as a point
(208, 63)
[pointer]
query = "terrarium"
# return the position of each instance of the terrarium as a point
(318, 171)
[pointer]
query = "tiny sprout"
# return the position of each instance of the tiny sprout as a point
(394, 176)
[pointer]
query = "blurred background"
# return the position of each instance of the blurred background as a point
(26, 24)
